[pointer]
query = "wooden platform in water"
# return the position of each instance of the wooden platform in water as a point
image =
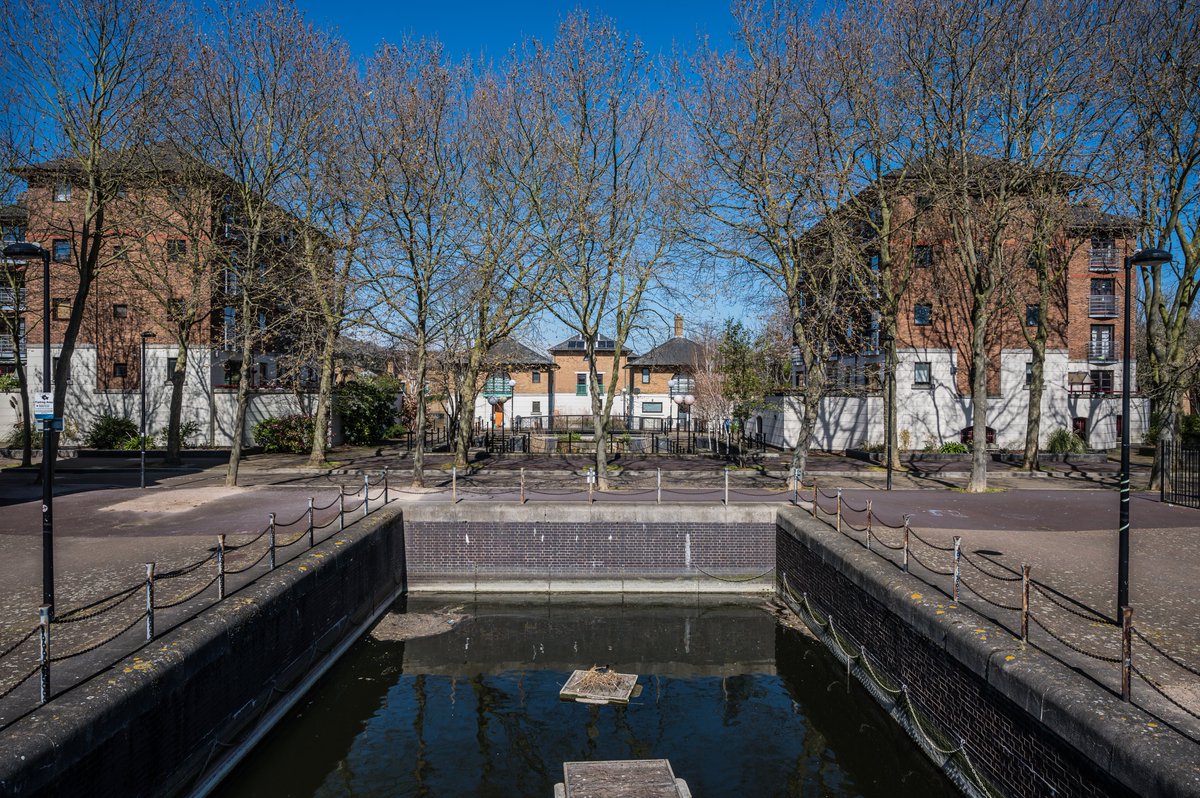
(599, 687)
(636, 778)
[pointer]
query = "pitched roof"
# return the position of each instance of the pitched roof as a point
(509, 352)
(576, 345)
(1089, 218)
(144, 160)
(674, 352)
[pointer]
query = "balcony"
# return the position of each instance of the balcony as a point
(1102, 306)
(1103, 260)
(12, 299)
(8, 354)
(1102, 351)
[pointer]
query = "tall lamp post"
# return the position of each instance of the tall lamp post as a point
(142, 378)
(24, 249)
(890, 400)
(1144, 258)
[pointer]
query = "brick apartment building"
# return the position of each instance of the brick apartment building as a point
(1082, 373)
(164, 254)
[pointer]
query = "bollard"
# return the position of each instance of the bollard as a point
(366, 495)
(454, 484)
(868, 524)
(658, 478)
(814, 502)
(149, 601)
(591, 478)
(957, 564)
(522, 486)
(271, 539)
(839, 510)
(1024, 603)
(341, 509)
(796, 487)
(310, 522)
(726, 487)
(385, 487)
(220, 566)
(44, 653)
(905, 561)
(1126, 653)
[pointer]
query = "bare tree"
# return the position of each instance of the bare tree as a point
(417, 113)
(1156, 109)
(95, 93)
(606, 213)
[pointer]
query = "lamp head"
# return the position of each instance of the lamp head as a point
(1150, 257)
(148, 334)
(23, 249)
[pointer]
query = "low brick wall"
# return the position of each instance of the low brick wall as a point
(1031, 726)
(156, 722)
(603, 547)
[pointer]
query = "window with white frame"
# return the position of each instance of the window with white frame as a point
(922, 375)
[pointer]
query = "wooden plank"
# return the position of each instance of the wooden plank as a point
(599, 687)
(637, 778)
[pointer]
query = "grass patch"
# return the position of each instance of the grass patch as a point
(985, 490)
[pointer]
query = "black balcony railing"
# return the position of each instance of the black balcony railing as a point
(1102, 306)
(1103, 260)
(12, 298)
(1102, 351)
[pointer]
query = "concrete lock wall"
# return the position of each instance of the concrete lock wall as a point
(565, 548)
(1031, 725)
(153, 723)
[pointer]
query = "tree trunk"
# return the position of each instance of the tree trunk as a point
(808, 424)
(979, 403)
(1033, 423)
(1168, 424)
(26, 418)
(418, 452)
(892, 444)
(239, 423)
(174, 437)
(320, 442)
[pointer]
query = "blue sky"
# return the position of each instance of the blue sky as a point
(471, 27)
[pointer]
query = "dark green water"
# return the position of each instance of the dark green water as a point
(740, 705)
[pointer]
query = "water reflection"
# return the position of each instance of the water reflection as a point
(740, 705)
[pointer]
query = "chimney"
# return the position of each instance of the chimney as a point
(678, 326)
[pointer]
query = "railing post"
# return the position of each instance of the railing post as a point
(454, 484)
(341, 509)
(386, 499)
(149, 601)
(591, 478)
(905, 560)
(726, 486)
(868, 524)
(220, 566)
(310, 522)
(957, 564)
(796, 487)
(44, 653)
(366, 495)
(839, 509)
(658, 488)
(522, 485)
(1025, 602)
(1126, 652)
(814, 502)
(271, 539)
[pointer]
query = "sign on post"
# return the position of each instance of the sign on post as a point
(43, 406)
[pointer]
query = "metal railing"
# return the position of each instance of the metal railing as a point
(1102, 306)
(1103, 259)
(1102, 351)
(12, 298)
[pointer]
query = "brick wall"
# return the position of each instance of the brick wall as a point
(956, 689)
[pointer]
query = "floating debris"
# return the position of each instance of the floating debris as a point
(634, 778)
(398, 627)
(599, 685)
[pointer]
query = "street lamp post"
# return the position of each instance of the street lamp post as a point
(142, 378)
(24, 249)
(1145, 258)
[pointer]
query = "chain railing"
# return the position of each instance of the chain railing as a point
(106, 620)
(993, 586)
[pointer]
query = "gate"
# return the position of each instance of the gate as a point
(1181, 476)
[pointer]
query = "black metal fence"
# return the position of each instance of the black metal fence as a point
(1181, 476)
(630, 435)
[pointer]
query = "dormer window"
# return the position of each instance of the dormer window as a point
(62, 191)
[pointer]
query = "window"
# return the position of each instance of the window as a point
(922, 375)
(263, 371)
(923, 314)
(600, 383)
(1104, 286)
(60, 309)
(121, 252)
(262, 322)
(120, 311)
(12, 232)
(1032, 315)
(229, 319)
(172, 362)
(645, 376)
(61, 250)
(233, 283)
(1102, 381)
(176, 249)
(873, 262)
(536, 377)
(581, 383)
(54, 369)
(537, 408)
(652, 407)
(62, 191)
(1028, 373)
(923, 256)
(120, 370)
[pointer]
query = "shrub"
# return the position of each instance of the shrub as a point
(133, 443)
(367, 408)
(395, 432)
(1064, 441)
(954, 447)
(286, 435)
(16, 437)
(110, 432)
(9, 383)
(187, 431)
